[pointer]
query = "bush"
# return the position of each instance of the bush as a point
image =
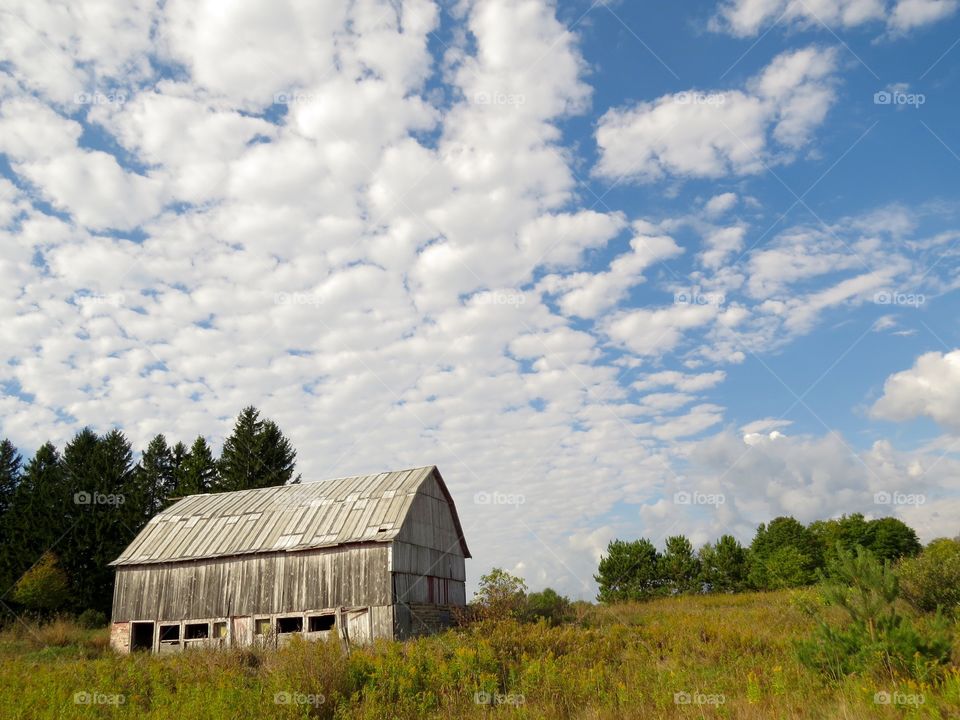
(932, 580)
(550, 606)
(43, 587)
(501, 596)
(58, 633)
(92, 619)
(876, 638)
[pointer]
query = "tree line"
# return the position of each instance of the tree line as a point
(784, 553)
(65, 515)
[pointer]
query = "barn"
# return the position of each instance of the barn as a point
(373, 556)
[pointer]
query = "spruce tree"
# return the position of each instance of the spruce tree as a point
(10, 468)
(198, 472)
(156, 475)
(256, 455)
(34, 520)
(107, 508)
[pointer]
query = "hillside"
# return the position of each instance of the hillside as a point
(728, 656)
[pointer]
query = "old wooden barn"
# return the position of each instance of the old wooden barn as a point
(362, 557)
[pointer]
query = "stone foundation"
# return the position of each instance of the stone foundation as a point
(120, 637)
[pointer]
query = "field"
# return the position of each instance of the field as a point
(728, 656)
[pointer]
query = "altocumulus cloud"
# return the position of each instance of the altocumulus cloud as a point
(381, 241)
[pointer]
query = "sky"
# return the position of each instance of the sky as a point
(618, 269)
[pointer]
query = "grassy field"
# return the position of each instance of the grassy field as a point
(692, 657)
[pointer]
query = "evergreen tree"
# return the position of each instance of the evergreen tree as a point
(680, 568)
(256, 455)
(198, 472)
(10, 468)
(105, 512)
(723, 566)
(629, 571)
(34, 520)
(156, 475)
(180, 454)
(10, 478)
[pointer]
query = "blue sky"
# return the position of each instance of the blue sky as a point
(588, 258)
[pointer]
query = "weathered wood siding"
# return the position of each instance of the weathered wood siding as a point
(429, 521)
(428, 564)
(421, 619)
(262, 584)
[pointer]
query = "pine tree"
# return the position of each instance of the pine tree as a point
(680, 568)
(629, 571)
(256, 455)
(724, 565)
(10, 478)
(35, 515)
(156, 474)
(107, 508)
(198, 472)
(10, 468)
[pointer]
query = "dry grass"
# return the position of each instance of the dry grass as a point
(732, 653)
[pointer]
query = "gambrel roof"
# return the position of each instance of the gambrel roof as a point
(365, 508)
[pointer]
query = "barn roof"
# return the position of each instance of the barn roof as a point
(365, 508)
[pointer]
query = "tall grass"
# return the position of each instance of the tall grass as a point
(730, 656)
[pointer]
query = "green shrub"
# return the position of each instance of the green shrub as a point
(500, 596)
(549, 605)
(932, 579)
(92, 619)
(876, 638)
(44, 587)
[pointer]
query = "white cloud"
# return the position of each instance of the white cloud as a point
(368, 262)
(734, 132)
(681, 381)
(765, 425)
(655, 332)
(589, 294)
(745, 18)
(931, 388)
(720, 204)
(87, 46)
(910, 14)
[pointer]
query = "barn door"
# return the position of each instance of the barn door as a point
(358, 626)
